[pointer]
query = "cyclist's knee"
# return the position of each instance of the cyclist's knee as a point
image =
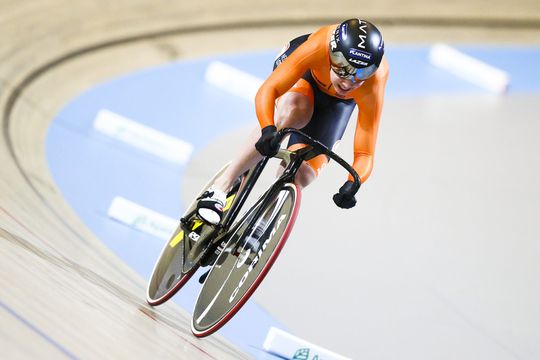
(294, 110)
(305, 175)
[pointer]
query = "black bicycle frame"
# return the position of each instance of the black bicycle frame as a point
(293, 160)
(319, 148)
(245, 189)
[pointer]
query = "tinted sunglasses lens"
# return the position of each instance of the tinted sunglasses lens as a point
(365, 73)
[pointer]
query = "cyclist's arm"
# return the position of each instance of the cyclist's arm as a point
(369, 113)
(286, 75)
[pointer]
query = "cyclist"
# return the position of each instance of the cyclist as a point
(317, 81)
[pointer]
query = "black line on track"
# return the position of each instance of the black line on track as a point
(19, 89)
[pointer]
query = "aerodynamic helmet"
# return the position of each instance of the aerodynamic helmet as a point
(356, 49)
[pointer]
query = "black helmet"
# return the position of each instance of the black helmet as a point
(356, 49)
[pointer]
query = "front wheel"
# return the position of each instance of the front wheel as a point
(253, 246)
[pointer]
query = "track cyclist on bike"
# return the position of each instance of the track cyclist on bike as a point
(317, 81)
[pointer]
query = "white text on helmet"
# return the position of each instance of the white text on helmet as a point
(363, 37)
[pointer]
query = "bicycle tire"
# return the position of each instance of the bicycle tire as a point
(167, 276)
(232, 280)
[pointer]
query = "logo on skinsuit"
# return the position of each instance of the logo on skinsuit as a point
(256, 259)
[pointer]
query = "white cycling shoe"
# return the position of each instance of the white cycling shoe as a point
(211, 204)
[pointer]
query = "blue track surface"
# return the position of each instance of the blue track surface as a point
(91, 168)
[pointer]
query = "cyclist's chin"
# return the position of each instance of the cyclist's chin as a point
(341, 91)
(346, 91)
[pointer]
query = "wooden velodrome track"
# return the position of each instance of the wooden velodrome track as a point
(62, 292)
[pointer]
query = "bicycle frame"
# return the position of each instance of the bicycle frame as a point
(232, 279)
(193, 254)
(293, 160)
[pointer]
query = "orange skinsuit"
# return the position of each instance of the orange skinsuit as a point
(313, 55)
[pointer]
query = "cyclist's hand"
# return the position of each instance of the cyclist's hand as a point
(345, 197)
(269, 142)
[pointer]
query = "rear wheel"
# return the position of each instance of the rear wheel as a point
(173, 268)
(168, 276)
(253, 246)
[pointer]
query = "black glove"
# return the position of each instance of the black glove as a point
(345, 197)
(269, 142)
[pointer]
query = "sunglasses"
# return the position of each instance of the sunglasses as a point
(353, 74)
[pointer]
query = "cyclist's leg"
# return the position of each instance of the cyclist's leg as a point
(309, 170)
(328, 123)
(246, 159)
(293, 110)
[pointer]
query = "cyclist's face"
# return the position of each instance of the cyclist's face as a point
(342, 82)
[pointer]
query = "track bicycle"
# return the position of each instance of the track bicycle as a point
(239, 252)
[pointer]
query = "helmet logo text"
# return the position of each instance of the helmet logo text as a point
(362, 27)
(360, 55)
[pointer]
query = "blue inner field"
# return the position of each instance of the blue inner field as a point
(91, 168)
